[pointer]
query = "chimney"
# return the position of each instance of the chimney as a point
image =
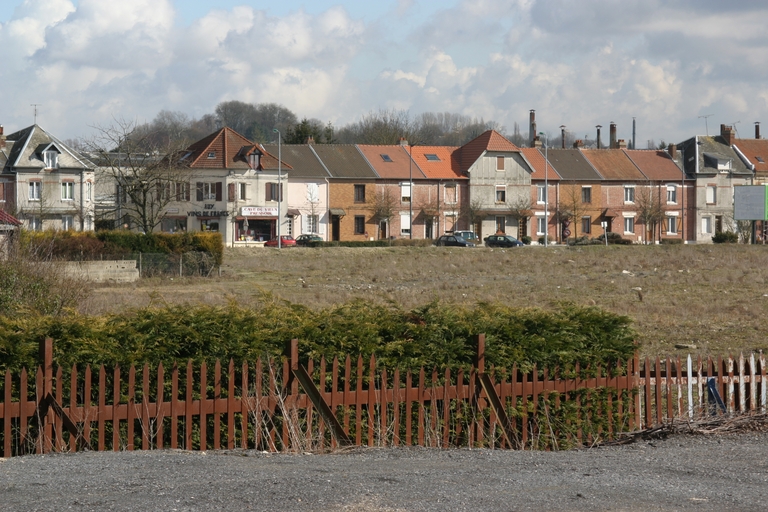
(634, 140)
(726, 132)
(598, 135)
(403, 141)
(310, 140)
(612, 143)
(562, 135)
(532, 128)
(578, 143)
(537, 143)
(621, 144)
(2, 137)
(757, 130)
(672, 148)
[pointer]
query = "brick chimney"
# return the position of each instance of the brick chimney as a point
(757, 129)
(310, 140)
(578, 143)
(672, 148)
(621, 144)
(612, 143)
(726, 132)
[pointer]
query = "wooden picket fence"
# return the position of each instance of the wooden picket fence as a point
(285, 406)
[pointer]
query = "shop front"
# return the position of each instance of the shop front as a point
(210, 221)
(256, 224)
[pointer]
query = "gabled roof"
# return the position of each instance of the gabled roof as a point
(28, 145)
(755, 151)
(541, 169)
(344, 161)
(490, 140)
(613, 164)
(8, 219)
(227, 149)
(437, 162)
(391, 162)
(303, 161)
(656, 165)
(571, 164)
(713, 149)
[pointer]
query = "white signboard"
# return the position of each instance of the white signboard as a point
(258, 211)
(749, 202)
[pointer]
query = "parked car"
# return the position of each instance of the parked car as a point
(502, 241)
(452, 241)
(306, 240)
(285, 241)
(469, 236)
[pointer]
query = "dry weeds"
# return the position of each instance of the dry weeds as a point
(713, 297)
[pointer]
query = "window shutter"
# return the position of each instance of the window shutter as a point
(199, 191)
(280, 197)
(268, 192)
(231, 192)
(218, 191)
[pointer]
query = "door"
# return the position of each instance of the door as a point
(335, 227)
(383, 230)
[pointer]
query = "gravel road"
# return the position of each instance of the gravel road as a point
(680, 473)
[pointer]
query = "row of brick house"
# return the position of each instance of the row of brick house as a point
(241, 189)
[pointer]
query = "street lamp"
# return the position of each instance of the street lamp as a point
(279, 184)
(546, 190)
(410, 191)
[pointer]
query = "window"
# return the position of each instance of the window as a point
(313, 222)
(405, 192)
(34, 190)
(211, 154)
(359, 225)
(450, 222)
(182, 191)
(671, 225)
(67, 222)
(706, 225)
(51, 159)
(2, 192)
(541, 225)
(386, 158)
(586, 195)
(586, 225)
(236, 191)
(209, 225)
(273, 191)
(501, 224)
(541, 194)
(629, 225)
(88, 191)
(501, 194)
(711, 194)
(405, 224)
(671, 194)
(629, 194)
(359, 193)
(432, 157)
(451, 193)
(68, 191)
(209, 191)
(35, 223)
(499, 163)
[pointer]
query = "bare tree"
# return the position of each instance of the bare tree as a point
(519, 209)
(140, 173)
(650, 210)
(471, 212)
(383, 205)
(572, 208)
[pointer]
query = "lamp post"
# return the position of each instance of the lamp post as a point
(279, 184)
(410, 191)
(546, 190)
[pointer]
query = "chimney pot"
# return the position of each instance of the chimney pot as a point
(578, 143)
(621, 144)
(726, 132)
(403, 141)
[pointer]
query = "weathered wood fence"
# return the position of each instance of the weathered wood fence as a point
(276, 406)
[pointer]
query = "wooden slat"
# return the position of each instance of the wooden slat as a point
(116, 399)
(231, 406)
(57, 420)
(408, 408)
(216, 399)
(244, 392)
(420, 403)
(371, 405)
(188, 407)
(7, 419)
(159, 409)
(396, 408)
(101, 413)
(175, 409)
(131, 406)
(145, 427)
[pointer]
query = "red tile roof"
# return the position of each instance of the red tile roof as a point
(445, 167)
(7, 218)
(490, 140)
(657, 165)
(390, 162)
(613, 164)
(538, 163)
(227, 149)
(753, 149)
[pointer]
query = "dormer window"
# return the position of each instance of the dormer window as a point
(51, 159)
(760, 159)
(211, 154)
(254, 160)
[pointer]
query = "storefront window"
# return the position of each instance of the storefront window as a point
(174, 225)
(254, 230)
(209, 225)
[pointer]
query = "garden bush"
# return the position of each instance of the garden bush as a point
(726, 237)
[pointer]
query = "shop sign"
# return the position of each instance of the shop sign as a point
(208, 213)
(258, 211)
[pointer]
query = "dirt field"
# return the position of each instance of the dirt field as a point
(713, 297)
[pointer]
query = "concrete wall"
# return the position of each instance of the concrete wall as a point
(116, 271)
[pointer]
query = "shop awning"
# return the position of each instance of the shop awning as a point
(338, 211)
(293, 213)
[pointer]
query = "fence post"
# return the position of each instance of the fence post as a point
(480, 359)
(181, 264)
(46, 428)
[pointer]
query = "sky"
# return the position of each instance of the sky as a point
(666, 63)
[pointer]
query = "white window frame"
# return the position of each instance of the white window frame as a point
(51, 159)
(706, 225)
(672, 224)
(541, 194)
(67, 190)
(209, 191)
(405, 192)
(67, 222)
(671, 194)
(313, 223)
(629, 223)
(405, 223)
(629, 194)
(711, 194)
(541, 225)
(35, 190)
(313, 193)
(447, 198)
(88, 191)
(503, 190)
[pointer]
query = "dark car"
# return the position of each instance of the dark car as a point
(306, 240)
(452, 241)
(469, 236)
(502, 241)
(285, 241)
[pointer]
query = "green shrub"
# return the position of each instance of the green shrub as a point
(671, 241)
(726, 237)
(526, 239)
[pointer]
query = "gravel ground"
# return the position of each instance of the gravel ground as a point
(680, 473)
